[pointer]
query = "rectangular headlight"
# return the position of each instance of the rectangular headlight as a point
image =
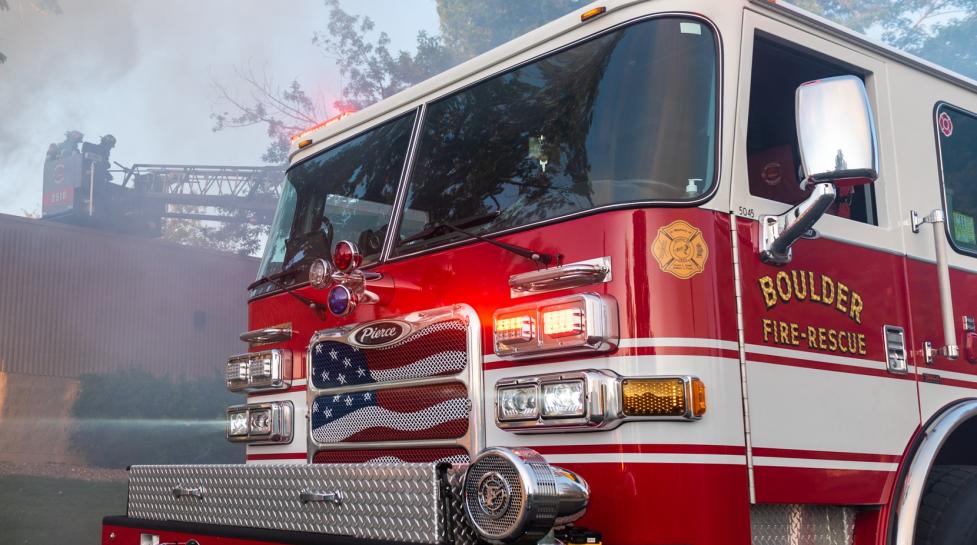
(237, 423)
(564, 399)
(269, 422)
(257, 371)
(518, 403)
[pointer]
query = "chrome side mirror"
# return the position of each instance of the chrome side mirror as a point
(836, 136)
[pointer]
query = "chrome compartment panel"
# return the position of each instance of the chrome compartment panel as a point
(396, 502)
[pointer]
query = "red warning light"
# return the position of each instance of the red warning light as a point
(346, 256)
(326, 123)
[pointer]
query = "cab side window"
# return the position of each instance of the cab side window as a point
(957, 133)
(773, 158)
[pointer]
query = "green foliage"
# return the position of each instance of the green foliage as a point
(133, 417)
(243, 234)
(941, 31)
(471, 27)
(373, 72)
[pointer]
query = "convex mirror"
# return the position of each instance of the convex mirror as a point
(836, 132)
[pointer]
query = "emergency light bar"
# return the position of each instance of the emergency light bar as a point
(585, 322)
(334, 119)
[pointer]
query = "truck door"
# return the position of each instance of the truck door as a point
(829, 417)
(941, 157)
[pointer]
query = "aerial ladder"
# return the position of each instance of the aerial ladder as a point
(81, 189)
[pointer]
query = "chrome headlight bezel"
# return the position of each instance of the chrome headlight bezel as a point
(279, 418)
(596, 327)
(603, 401)
(259, 371)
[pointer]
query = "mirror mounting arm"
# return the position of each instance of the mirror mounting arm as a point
(779, 233)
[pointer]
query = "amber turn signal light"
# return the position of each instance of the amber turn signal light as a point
(663, 397)
(591, 13)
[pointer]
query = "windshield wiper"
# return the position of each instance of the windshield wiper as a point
(456, 226)
(272, 279)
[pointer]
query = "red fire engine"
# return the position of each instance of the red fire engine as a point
(665, 272)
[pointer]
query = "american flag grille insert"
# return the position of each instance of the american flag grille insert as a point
(439, 411)
(436, 350)
(453, 455)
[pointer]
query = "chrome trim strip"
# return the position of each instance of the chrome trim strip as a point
(741, 353)
(934, 435)
(471, 377)
(268, 334)
(393, 228)
(571, 275)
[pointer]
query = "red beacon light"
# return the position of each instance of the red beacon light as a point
(300, 137)
(346, 256)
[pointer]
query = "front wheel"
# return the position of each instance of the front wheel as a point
(948, 510)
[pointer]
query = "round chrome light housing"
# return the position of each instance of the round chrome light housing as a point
(340, 300)
(320, 274)
(513, 495)
(346, 256)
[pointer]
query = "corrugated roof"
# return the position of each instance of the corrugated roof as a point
(76, 301)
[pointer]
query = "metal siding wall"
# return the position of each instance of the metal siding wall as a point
(76, 301)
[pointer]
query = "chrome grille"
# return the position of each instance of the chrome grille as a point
(417, 393)
(508, 519)
(436, 350)
(438, 411)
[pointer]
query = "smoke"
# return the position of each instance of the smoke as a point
(54, 59)
(143, 71)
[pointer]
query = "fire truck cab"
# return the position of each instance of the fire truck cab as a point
(658, 272)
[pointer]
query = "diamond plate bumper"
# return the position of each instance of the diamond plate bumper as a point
(807, 524)
(415, 503)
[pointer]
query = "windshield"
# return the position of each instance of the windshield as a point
(344, 193)
(628, 116)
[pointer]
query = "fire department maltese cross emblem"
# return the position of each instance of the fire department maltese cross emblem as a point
(680, 250)
(494, 495)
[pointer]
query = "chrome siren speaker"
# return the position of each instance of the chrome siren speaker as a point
(512, 494)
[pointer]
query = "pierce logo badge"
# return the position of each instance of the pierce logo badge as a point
(680, 250)
(379, 333)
